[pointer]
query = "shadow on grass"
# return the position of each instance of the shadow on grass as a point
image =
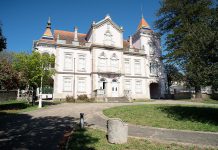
(192, 113)
(80, 140)
(21, 131)
(22, 105)
(18, 105)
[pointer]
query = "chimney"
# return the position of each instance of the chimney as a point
(130, 42)
(75, 33)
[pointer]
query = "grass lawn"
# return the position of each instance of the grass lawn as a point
(185, 117)
(91, 139)
(142, 100)
(206, 101)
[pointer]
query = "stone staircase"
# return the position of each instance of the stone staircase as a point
(117, 100)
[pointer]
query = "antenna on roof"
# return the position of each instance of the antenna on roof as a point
(142, 10)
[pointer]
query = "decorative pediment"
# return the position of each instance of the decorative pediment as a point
(102, 55)
(106, 32)
(107, 20)
(114, 57)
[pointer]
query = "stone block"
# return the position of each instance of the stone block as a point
(117, 131)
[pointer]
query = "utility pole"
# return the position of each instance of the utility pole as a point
(40, 93)
(74, 78)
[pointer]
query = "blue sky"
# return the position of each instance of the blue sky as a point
(25, 20)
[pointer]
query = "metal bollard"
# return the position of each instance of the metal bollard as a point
(81, 120)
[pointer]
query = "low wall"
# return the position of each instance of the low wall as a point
(183, 95)
(8, 95)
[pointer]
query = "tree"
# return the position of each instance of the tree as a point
(2, 40)
(173, 75)
(7, 55)
(191, 41)
(34, 66)
(9, 78)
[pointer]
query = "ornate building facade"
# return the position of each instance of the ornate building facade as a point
(102, 64)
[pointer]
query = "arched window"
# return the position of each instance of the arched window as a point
(108, 36)
(154, 68)
(114, 80)
(102, 62)
(114, 63)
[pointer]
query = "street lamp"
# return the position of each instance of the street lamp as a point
(40, 93)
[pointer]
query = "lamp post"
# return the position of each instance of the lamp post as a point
(40, 93)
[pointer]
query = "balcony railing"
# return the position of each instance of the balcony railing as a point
(140, 51)
(109, 69)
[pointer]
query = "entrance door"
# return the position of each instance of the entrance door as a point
(154, 91)
(114, 88)
(102, 86)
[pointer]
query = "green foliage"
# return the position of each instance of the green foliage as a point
(191, 39)
(70, 99)
(173, 74)
(9, 78)
(80, 98)
(34, 66)
(7, 55)
(83, 97)
(3, 43)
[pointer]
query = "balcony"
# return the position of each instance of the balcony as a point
(136, 51)
(108, 70)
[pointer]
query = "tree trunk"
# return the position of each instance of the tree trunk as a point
(33, 96)
(198, 94)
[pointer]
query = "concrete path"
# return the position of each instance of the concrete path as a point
(44, 128)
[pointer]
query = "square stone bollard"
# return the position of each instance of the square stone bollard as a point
(117, 131)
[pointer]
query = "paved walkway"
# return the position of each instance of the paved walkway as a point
(43, 129)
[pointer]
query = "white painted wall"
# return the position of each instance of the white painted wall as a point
(91, 73)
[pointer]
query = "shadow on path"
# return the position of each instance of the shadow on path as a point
(21, 131)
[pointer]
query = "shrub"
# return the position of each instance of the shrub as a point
(83, 98)
(70, 99)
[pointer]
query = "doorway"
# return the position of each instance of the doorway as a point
(114, 86)
(154, 91)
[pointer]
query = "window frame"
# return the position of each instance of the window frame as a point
(64, 84)
(66, 63)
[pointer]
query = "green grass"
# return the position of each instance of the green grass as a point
(183, 117)
(91, 139)
(207, 101)
(142, 100)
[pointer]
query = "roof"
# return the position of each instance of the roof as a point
(48, 34)
(69, 36)
(47, 41)
(125, 44)
(143, 24)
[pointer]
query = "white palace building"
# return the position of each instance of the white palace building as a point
(101, 64)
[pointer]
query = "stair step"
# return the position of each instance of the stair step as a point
(117, 100)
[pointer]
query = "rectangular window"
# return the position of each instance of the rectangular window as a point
(153, 68)
(127, 66)
(137, 67)
(82, 63)
(138, 86)
(68, 61)
(102, 64)
(114, 65)
(67, 84)
(127, 85)
(81, 85)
